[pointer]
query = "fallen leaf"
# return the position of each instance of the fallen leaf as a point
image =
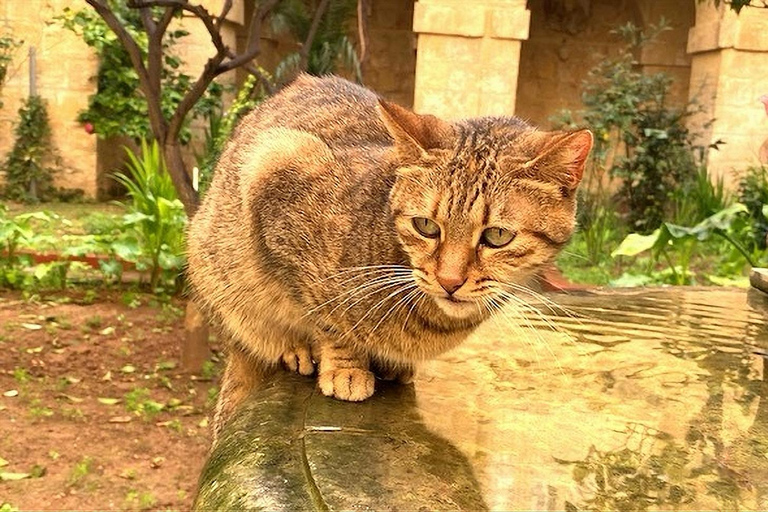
(71, 398)
(38, 471)
(203, 423)
(35, 350)
(129, 368)
(11, 393)
(14, 476)
(3, 462)
(72, 380)
(107, 376)
(120, 419)
(162, 423)
(107, 331)
(156, 462)
(108, 401)
(32, 327)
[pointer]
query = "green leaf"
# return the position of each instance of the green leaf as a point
(636, 243)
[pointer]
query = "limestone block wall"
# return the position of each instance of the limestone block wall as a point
(565, 43)
(64, 67)
(390, 64)
(468, 56)
(730, 64)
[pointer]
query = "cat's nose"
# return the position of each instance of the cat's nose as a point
(451, 283)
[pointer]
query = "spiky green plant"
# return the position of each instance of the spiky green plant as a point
(156, 214)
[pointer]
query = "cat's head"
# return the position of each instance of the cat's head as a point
(481, 205)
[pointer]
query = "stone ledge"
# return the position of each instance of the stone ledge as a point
(458, 20)
(472, 21)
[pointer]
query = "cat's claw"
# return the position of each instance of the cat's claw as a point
(350, 384)
(299, 360)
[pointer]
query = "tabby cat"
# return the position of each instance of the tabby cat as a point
(344, 230)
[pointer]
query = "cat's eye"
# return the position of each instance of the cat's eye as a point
(496, 237)
(426, 227)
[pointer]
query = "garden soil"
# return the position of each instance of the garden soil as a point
(94, 411)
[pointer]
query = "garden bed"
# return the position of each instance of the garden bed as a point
(93, 411)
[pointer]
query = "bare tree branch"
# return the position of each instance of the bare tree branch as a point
(224, 12)
(362, 28)
(254, 35)
(134, 52)
(307, 46)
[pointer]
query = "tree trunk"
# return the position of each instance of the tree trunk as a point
(181, 178)
(194, 346)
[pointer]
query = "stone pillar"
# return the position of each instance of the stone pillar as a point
(729, 72)
(468, 56)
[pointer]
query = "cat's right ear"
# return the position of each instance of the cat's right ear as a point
(414, 134)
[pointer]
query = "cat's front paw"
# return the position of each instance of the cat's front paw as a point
(350, 384)
(299, 359)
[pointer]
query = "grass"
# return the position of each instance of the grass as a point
(72, 218)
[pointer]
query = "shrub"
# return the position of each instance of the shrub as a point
(31, 163)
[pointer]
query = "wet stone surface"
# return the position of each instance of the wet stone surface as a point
(652, 399)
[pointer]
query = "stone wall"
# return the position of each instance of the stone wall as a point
(566, 42)
(390, 64)
(64, 68)
(730, 63)
(468, 56)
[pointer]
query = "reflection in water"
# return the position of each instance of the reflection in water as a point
(655, 400)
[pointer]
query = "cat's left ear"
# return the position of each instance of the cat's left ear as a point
(414, 134)
(564, 157)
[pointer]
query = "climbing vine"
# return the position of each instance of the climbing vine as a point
(31, 163)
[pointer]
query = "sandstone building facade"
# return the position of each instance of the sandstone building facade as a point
(453, 58)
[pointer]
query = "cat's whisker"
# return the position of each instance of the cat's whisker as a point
(370, 292)
(366, 269)
(375, 308)
(402, 300)
(502, 320)
(526, 308)
(352, 292)
(413, 306)
(553, 306)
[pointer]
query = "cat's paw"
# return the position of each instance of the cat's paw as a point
(350, 384)
(299, 360)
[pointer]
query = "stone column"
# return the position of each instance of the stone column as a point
(468, 56)
(729, 72)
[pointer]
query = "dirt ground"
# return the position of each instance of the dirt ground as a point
(94, 412)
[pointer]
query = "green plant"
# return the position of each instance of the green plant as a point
(8, 46)
(118, 107)
(31, 163)
(331, 47)
(156, 219)
(753, 193)
(21, 375)
(82, 469)
(639, 138)
(138, 401)
(14, 231)
(682, 241)
(699, 198)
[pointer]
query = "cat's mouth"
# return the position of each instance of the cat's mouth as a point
(456, 307)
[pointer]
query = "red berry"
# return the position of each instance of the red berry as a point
(88, 128)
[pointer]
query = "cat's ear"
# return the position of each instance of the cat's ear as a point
(414, 134)
(562, 158)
